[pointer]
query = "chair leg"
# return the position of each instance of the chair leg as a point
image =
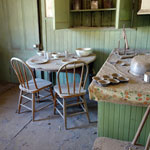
(55, 103)
(78, 99)
(33, 106)
(86, 108)
(51, 92)
(147, 143)
(64, 113)
(20, 101)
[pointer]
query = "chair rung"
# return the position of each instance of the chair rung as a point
(81, 98)
(83, 108)
(42, 107)
(69, 105)
(26, 102)
(76, 114)
(26, 107)
(43, 97)
(59, 103)
(59, 112)
(26, 94)
(27, 97)
(47, 90)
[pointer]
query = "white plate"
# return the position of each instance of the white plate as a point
(57, 55)
(39, 60)
(65, 60)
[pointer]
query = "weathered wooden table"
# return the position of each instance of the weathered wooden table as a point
(53, 64)
(119, 114)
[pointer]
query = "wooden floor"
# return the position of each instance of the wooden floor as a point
(18, 132)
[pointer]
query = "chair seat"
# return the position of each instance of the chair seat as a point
(103, 143)
(65, 94)
(41, 84)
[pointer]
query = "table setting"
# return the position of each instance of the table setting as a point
(51, 61)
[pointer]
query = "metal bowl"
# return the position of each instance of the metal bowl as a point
(103, 82)
(107, 77)
(114, 81)
(140, 64)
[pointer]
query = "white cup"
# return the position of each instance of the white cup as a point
(147, 77)
(66, 54)
(46, 55)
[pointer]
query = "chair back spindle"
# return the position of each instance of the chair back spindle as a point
(22, 71)
(75, 67)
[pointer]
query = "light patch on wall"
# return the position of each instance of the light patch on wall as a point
(49, 10)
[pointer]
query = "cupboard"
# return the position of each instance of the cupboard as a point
(68, 15)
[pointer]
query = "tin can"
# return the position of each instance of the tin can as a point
(76, 4)
(94, 4)
(107, 4)
(147, 77)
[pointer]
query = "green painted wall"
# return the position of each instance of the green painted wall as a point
(121, 121)
(101, 40)
(18, 32)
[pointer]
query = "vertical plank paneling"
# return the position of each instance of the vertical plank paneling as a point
(92, 39)
(144, 130)
(121, 122)
(101, 118)
(116, 121)
(138, 118)
(49, 39)
(132, 123)
(69, 40)
(2, 20)
(148, 39)
(139, 39)
(65, 36)
(30, 19)
(74, 42)
(96, 41)
(144, 37)
(125, 122)
(106, 116)
(111, 118)
(14, 21)
(133, 39)
(83, 38)
(102, 46)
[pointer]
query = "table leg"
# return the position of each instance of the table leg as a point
(91, 72)
(34, 72)
(50, 76)
(42, 74)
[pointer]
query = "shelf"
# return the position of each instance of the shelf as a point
(93, 10)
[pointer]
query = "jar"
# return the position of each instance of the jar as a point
(147, 77)
(76, 4)
(94, 4)
(107, 3)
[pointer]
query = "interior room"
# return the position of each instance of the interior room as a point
(75, 75)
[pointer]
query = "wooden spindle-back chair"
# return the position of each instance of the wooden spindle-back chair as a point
(71, 89)
(30, 85)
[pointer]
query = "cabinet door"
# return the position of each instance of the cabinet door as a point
(61, 14)
(124, 13)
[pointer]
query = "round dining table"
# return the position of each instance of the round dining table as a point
(53, 64)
